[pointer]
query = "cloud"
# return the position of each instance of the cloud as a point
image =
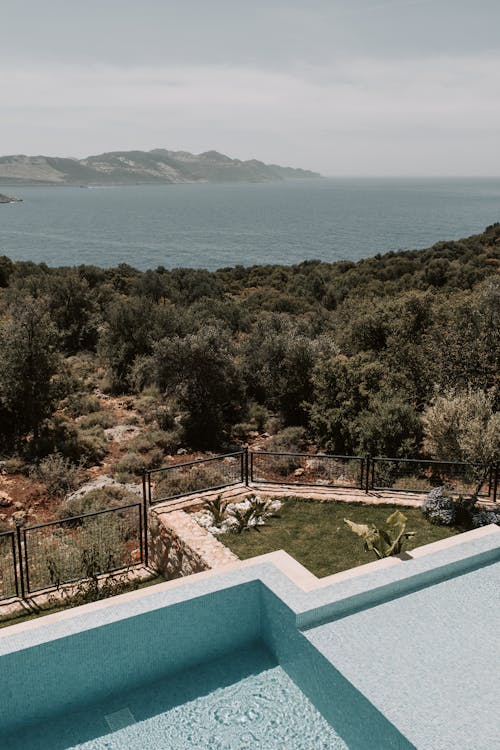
(333, 118)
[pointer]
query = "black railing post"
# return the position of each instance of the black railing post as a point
(251, 466)
(145, 532)
(372, 463)
(20, 560)
(495, 484)
(367, 478)
(246, 466)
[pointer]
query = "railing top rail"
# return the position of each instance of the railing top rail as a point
(196, 461)
(306, 455)
(83, 515)
(7, 533)
(421, 461)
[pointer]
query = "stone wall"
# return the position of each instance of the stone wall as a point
(179, 546)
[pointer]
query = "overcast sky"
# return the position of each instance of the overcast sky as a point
(347, 87)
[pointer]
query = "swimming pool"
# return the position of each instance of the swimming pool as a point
(266, 656)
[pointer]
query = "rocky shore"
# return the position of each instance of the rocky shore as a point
(9, 199)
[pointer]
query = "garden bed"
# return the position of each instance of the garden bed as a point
(315, 534)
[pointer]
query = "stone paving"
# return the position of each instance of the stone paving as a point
(323, 494)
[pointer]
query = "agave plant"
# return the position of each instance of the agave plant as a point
(262, 509)
(244, 518)
(218, 509)
(383, 543)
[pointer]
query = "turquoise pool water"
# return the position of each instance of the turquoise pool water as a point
(242, 702)
(398, 658)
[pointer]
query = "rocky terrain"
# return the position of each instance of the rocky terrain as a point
(141, 167)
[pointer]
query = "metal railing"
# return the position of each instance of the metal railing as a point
(307, 469)
(178, 480)
(420, 475)
(312, 469)
(76, 548)
(9, 582)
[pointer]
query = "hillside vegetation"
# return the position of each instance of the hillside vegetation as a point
(346, 357)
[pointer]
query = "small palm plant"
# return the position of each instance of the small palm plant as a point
(244, 519)
(383, 543)
(263, 509)
(218, 509)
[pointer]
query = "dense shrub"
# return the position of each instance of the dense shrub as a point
(183, 482)
(131, 463)
(101, 498)
(91, 445)
(59, 475)
(103, 418)
(289, 440)
(485, 517)
(80, 403)
(440, 508)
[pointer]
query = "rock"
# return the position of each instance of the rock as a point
(19, 517)
(18, 505)
(298, 472)
(3, 516)
(5, 499)
(182, 452)
(122, 432)
(9, 199)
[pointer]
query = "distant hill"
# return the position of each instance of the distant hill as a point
(141, 167)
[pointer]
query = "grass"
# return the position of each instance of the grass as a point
(134, 586)
(315, 534)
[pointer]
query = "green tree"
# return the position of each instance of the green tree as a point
(342, 389)
(199, 371)
(464, 427)
(28, 362)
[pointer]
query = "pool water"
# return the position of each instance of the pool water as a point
(242, 702)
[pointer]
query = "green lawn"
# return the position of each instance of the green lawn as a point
(314, 534)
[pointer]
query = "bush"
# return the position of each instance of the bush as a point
(131, 463)
(91, 446)
(16, 465)
(440, 508)
(169, 441)
(241, 430)
(104, 419)
(289, 440)
(78, 404)
(485, 517)
(59, 475)
(196, 478)
(101, 498)
(258, 416)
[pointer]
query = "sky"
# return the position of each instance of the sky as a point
(345, 87)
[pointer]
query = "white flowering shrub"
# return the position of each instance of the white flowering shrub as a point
(439, 508)
(485, 517)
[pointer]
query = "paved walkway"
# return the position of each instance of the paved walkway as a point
(311, 492)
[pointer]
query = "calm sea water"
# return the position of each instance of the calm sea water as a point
(211, 226)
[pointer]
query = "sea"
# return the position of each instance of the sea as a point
(218, 225)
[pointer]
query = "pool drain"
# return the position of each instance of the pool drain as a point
(120, 719)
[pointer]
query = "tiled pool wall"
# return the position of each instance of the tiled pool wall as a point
(93, 664)
(68, 661)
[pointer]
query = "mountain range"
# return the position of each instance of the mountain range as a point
(141, 167)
